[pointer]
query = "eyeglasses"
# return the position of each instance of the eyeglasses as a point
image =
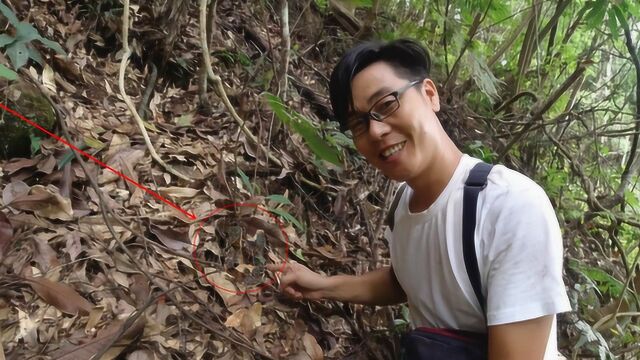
(383, 108)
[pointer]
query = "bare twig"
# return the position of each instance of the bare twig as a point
(143, 106)
(127, 99)
(286, 47)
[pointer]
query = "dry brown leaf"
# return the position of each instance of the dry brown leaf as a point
(86, 350)
(14, 190)
(178, 192)
(28, 330)
(73, 246)
(246, 320)
(127, 156)
(45, 201)
(224, 287)
(94, 318)
(311, 347)
(6, 234)
(140, 288)
(47, 165)
(19, 164)
(176, 239)
(60, 295)
(45, 255)
(141, 355)
(48, 78)
(235, 319)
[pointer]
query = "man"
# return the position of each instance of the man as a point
(382, 94)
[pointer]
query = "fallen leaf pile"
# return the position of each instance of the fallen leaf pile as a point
(118, 272)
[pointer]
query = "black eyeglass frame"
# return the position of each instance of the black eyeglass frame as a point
(366, 117)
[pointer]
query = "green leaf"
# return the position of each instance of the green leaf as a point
(596, 15)
(288, 217)
(340, 139)
(632, 7)
(7, 73)
(9, 14)
(184, 120)
(52, 45)
(35, 144)
(298, 254)
(631, 199)
(405, 313)
(35, 55)
(94, 143)
(279, 199)
(6, 40)
(606, 283)
(68, 155)
(360, 3)
(621, 18)
(26, 33)
(305, 128)
(613, 24)
(322, 4)
(399, 322)
(246, 181)
(18, 54)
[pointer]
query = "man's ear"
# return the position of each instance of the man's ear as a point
(431, 92)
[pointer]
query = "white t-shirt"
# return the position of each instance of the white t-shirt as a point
(518, 246)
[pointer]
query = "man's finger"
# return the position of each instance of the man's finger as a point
(276, 267)
(287, 279)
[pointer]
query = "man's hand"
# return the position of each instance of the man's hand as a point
(298, 282)
(378, 287)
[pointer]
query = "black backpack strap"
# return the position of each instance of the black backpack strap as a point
(391, 215)
(476, 181)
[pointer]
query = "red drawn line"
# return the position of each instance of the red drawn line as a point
(89, 156)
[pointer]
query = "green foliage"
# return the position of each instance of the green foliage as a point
(605, 283)
(402, 324)
(288, 217)
(305, 128)
(19, 48)
(281, 199)
(322, 4)
(35, 144)
(7, 73)
(246, 182)
(481, 151)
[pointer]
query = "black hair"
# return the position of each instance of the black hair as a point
(407, 57)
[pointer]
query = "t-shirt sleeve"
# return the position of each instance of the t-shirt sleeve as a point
(524, 254)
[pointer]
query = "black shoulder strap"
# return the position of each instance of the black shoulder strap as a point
(476, 181)
(391, 215)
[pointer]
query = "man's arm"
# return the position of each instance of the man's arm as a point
(378, 287)
(523, 340)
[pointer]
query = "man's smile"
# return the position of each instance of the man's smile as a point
(389, 151)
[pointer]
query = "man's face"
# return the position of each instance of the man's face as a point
(403, 144)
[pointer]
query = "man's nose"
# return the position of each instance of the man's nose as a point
(378, 129)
